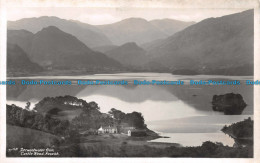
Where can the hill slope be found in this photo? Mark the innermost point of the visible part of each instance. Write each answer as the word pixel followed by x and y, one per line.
pixel 88 34
pixel 54 48
pixel 20 137
pixel 131 30
pixel 18 61
pixel 128 54
pixel 22 38
pixel 215 45
pixel 170 26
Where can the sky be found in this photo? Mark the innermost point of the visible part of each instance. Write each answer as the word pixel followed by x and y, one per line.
pixel 101 15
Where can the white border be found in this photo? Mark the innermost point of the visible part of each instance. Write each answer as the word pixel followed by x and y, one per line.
pixel 127 3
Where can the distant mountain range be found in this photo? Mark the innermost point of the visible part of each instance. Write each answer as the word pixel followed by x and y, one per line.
pixel 140 31
pixel 129 30
pixel 88 34
pixel 105 48
pixel 170 26
pixel 54 48
pixel 212 46
pixel 222 46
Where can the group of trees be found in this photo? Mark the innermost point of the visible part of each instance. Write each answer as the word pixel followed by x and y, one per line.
pixel 31 119
pixel 91 117
pixel 46 120
pixel 62 100
pixel 243 129
pixel 134 119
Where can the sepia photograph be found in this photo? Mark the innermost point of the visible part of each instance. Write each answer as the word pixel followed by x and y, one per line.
pixel 130 82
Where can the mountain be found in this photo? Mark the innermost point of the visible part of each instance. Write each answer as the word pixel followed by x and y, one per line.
pixel 149 45
pixel 105 48
pixel 140 30
pixel 54 48
pixel 22 38
pixel 170 26
pixel 131 30
pixel 129 54
pixel 18 61
pixel 214 45
pixel 88 34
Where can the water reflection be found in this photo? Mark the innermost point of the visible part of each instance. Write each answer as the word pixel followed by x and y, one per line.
pixel 195 139
pixel 229 110
pixel 155 102
pixel 195 97
pixel 169 109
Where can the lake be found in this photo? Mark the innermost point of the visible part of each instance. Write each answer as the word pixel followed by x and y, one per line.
pixel 183 113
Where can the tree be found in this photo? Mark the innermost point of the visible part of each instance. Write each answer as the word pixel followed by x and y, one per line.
pixel 135 119
pixel 208 148
pixel 117 114
pixel 94 106
pixel 28 104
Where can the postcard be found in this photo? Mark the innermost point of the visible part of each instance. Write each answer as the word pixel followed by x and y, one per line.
pixel 127 80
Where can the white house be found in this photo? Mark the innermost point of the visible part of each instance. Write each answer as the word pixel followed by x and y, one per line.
pixel 108 129
pixel 129 133
pixel 101 130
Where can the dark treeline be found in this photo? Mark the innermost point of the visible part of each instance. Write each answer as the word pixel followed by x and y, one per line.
pixel 62 101
pixel 134 119
pixel 92 118
pixel 48 120
pixel 240 130
pixel 30 119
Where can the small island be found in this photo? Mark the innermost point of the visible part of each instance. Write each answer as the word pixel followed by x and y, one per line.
pixel 229 103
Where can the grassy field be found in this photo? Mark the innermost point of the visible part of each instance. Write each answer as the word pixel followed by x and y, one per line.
pixel 118 145
pixel 18 137
pixel 115 145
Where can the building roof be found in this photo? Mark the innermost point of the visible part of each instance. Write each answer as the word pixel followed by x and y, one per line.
pixel 110 127
pixel 107 127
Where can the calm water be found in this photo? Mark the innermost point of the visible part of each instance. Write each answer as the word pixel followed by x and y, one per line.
pixel 195 139
pixel 180 112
